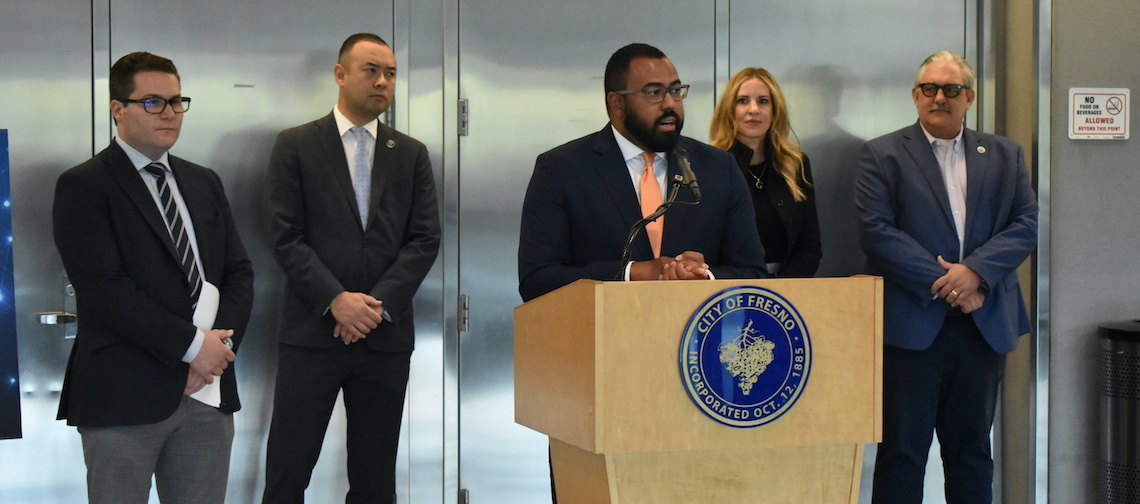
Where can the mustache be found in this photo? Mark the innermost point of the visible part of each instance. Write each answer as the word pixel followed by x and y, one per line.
pixel 939 108
pixel 667 114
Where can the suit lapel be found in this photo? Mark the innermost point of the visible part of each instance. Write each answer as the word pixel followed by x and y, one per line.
pixel 125 174
pixel 381 159
pixel 977 170
pixel 610 169
pixel 923 156
pixel 198 209
pixel 332 148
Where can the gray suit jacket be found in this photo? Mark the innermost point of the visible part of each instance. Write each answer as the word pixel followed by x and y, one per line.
pixel 905 223
pixel 320 244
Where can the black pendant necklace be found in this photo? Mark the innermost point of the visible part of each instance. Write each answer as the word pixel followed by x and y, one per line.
pixel 759 179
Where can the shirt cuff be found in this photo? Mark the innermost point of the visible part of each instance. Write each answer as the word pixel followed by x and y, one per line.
pixel 195 347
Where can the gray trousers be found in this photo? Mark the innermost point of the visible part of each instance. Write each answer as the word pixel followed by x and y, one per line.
pixel 188 454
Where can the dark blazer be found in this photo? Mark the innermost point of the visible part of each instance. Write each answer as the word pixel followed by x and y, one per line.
pixel 319 242
pixel 799 218
pixel 905 223
pixel 133 302
pixel 581 204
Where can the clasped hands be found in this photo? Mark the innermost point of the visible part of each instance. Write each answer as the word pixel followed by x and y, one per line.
pixel 959 286
pixel 687 266
pixel 212 360
pixel 356 314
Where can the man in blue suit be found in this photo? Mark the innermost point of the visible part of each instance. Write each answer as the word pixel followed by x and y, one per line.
pixel 585 196
pixel 946 215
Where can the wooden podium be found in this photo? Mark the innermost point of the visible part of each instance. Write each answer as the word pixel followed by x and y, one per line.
pixel 597 370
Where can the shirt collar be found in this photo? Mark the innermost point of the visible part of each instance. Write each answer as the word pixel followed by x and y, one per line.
pixel 140 160
pixel 930 138
pixel 628 149
pixel 343 124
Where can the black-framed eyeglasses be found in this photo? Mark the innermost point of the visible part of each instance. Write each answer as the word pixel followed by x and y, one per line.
pixel 656 94
pixel 178 104
pixel 950 90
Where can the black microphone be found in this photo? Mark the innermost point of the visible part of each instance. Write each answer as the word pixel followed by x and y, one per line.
pixel 687 176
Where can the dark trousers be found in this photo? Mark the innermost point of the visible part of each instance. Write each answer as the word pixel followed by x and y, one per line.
pixel 308 381
pixel 950 388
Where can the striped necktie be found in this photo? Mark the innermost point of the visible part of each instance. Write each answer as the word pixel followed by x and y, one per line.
pixel 177 230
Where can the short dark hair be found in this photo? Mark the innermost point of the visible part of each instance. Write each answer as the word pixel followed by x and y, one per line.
pixel 122 79
pixel 355 39
pixel 617 70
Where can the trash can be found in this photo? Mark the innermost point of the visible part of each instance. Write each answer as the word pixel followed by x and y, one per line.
pixel 1120 413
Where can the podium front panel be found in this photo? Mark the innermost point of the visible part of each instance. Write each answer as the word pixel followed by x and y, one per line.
pixel 597 366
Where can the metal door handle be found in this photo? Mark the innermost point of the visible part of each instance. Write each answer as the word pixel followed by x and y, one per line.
pixel 56 317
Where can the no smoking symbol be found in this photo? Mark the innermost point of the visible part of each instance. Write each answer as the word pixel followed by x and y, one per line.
pixel 1114 105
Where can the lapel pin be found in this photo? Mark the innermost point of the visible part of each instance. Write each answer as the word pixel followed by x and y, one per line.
pixel 981 150
pixel 392 144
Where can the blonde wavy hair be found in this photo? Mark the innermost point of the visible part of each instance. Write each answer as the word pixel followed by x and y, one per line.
pixel 788 159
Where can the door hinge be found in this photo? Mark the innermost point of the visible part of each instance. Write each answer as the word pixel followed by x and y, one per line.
pixel 464 497
pixel 463 317
pixel 463 116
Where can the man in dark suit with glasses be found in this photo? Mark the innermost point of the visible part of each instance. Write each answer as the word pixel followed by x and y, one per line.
pixel 164 290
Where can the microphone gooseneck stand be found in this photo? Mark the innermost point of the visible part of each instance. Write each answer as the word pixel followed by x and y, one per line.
pixel 639 225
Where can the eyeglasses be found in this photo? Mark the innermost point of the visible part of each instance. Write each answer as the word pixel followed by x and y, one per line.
pixel 950 90
pixel 178 104
pixel 656 94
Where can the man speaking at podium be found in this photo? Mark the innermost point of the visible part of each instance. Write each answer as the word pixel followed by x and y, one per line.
pixel 586 195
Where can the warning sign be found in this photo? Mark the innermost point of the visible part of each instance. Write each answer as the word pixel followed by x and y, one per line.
pixel 1098 113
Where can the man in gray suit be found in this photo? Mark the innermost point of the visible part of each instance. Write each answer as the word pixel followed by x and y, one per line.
pixel 947 215
pixel 355 226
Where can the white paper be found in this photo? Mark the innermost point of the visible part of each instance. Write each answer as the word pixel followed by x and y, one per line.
pixel 204 316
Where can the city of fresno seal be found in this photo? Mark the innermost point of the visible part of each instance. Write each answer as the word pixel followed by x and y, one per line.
pixel 745 356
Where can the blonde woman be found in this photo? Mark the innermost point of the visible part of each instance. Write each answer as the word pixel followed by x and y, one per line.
pixel 751 122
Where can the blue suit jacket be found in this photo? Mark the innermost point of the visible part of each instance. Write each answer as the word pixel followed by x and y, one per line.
pixel 905 223
pixel 581 204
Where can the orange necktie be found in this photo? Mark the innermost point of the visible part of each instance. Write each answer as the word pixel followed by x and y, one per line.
pixel 650 200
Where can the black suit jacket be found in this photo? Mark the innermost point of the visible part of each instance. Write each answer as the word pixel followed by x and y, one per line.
pixel 133 302
pixel 319 242
pixel 799 218
pixel 581 204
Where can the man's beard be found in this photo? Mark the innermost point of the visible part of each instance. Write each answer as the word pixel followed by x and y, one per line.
pixel 649 136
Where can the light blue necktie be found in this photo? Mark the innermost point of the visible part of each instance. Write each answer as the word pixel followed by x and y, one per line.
pixel 362 173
